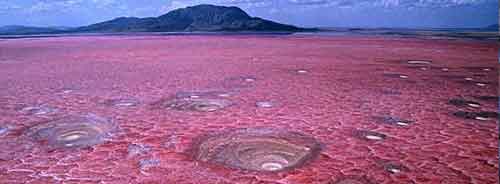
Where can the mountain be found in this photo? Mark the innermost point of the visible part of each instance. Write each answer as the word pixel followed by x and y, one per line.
pixel 195 18
pixel 16 29
pixel 493 27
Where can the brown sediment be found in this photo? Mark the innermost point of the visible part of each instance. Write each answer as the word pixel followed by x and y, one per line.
pixel 257 149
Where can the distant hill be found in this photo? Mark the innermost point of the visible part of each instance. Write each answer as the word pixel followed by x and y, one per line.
pixel 16 29
pixel 202 18
pixel 195 18
pixel 492 27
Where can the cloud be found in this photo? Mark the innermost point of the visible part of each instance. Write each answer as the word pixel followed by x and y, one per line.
pixel 387 3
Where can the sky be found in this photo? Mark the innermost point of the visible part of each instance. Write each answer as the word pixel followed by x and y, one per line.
pixel 306 13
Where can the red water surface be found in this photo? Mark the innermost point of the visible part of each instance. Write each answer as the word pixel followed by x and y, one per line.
pixel 347 82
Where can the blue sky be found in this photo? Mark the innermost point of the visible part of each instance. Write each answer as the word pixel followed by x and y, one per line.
pixel 310 13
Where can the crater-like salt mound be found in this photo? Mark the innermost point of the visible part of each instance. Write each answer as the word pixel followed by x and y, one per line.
pixel 38 110
pixel 369 135
pixel 419 62
pixel 391 120
pixel 257 149
pixel 122 102
pixel 396 75
pixel 73 131
pixel 198 105
pixel 464 103
pixel 201 94
pixel 240 82
pixel 482 116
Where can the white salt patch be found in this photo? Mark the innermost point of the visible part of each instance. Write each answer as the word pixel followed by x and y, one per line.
pixel 373 137
pixel 402 124
pixel 473 105
pixel 302 71
pixel 482 118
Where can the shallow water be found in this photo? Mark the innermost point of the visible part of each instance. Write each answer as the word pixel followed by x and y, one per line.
pixel 289 109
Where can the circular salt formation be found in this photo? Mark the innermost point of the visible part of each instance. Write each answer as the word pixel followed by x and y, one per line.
pixel 395 168
pixel 122 102
pixel 201 94
pixel 264 104
pixel 265 150
pixel 38 110
pixel 73 131
pixel 482 116
pixel 464 103
pixel 241 82
pixel 302 71
pixel 480 84
pixel 393 121
pixel 4 130
pixel 395 75
pixel 370 135
pixel 419 62
pixel 197 104
pixel 488 98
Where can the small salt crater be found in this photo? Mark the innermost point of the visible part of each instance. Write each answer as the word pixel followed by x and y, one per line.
pixel 394 170
pixel 373 137
pixel 445 69
pixel 4 130
pixel 145 164
pixel 468 79
pixel 474 105
pixel 402 123
pixel 302 71
pixel 482 118
pixel 224 95
pixel 249 80
pixel 419 62
pixel 137 149
pixel 271 166
pixel 481 84
pixel 403 76
pixel 38 110
pixel 264 104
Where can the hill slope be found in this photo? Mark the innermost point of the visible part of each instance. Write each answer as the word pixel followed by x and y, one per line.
pixel 195 18
pixel 15 29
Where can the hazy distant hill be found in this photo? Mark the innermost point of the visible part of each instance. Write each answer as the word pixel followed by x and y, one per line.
pixel 195 18
pixel 16 29
pixel 492 27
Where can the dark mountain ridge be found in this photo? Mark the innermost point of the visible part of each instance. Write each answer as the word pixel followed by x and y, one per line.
pixel 195 18
pixel 200 18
